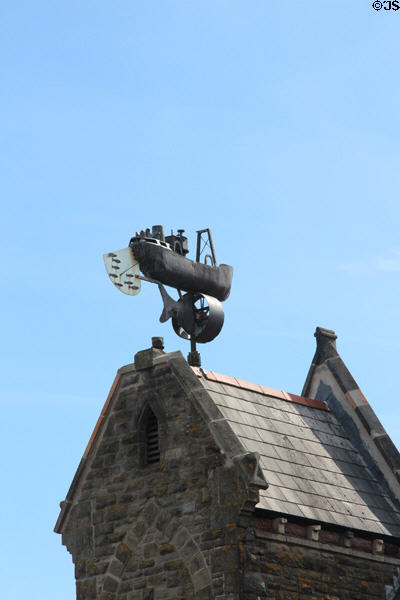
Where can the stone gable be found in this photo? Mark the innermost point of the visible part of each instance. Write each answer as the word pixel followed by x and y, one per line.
pixel 198 519
pixel 139 530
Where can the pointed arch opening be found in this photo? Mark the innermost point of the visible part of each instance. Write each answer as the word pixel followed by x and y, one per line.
pixel 151 438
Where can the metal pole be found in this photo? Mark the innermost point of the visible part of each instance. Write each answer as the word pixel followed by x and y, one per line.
pixel 194 359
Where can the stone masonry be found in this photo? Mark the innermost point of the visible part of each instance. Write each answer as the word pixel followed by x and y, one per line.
pixel 187 526
pixel 284 566
pixel 168 530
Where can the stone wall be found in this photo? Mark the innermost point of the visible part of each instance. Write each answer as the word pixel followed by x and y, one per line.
pixel 185 527
pixel 283 567
pixel 167 530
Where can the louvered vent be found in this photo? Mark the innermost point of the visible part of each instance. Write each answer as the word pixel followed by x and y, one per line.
pixel 152 442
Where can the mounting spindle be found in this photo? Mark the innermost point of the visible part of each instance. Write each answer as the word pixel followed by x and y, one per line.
pixel 194 358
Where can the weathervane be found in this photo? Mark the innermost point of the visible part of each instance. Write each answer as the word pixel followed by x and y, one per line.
pixel 197 315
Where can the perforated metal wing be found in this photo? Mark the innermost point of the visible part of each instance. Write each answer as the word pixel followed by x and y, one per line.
pixel 122 268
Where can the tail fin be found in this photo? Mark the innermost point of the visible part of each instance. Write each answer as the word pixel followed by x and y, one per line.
pixel 171 306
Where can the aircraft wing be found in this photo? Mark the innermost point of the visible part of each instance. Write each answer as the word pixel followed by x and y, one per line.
pixel 122 267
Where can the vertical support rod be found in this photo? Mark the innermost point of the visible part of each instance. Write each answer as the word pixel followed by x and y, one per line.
pixel 198 246
pixel 209 242
pixel 194 359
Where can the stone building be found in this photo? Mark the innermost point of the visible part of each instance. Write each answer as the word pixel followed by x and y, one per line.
pixel 200 485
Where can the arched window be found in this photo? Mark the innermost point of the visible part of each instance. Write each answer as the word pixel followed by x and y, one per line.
pixel 152 442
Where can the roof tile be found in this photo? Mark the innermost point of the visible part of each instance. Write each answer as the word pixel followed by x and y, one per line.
pixel 258 389
pixel 311 466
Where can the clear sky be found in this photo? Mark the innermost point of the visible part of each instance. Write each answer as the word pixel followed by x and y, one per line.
pixel 276 124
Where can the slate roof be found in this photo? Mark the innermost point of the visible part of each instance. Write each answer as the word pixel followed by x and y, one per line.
pixel 313 469
pixel 327 459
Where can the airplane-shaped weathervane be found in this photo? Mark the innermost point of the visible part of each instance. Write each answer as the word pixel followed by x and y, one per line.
pixel 197 315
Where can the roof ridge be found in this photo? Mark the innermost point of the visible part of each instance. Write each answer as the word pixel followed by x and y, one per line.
pixel 375 440
pixel 259 389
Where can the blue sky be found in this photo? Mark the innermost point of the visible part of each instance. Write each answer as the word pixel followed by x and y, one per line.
pixel 275 124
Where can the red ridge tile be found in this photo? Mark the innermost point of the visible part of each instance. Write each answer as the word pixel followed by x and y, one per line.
pixel 309 402
pixel 267 391
pixel 225 379
pixel 210 375
pixel 260 389
pixel 248 385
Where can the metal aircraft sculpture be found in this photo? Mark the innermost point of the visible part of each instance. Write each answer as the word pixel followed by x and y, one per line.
pixel 197 315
